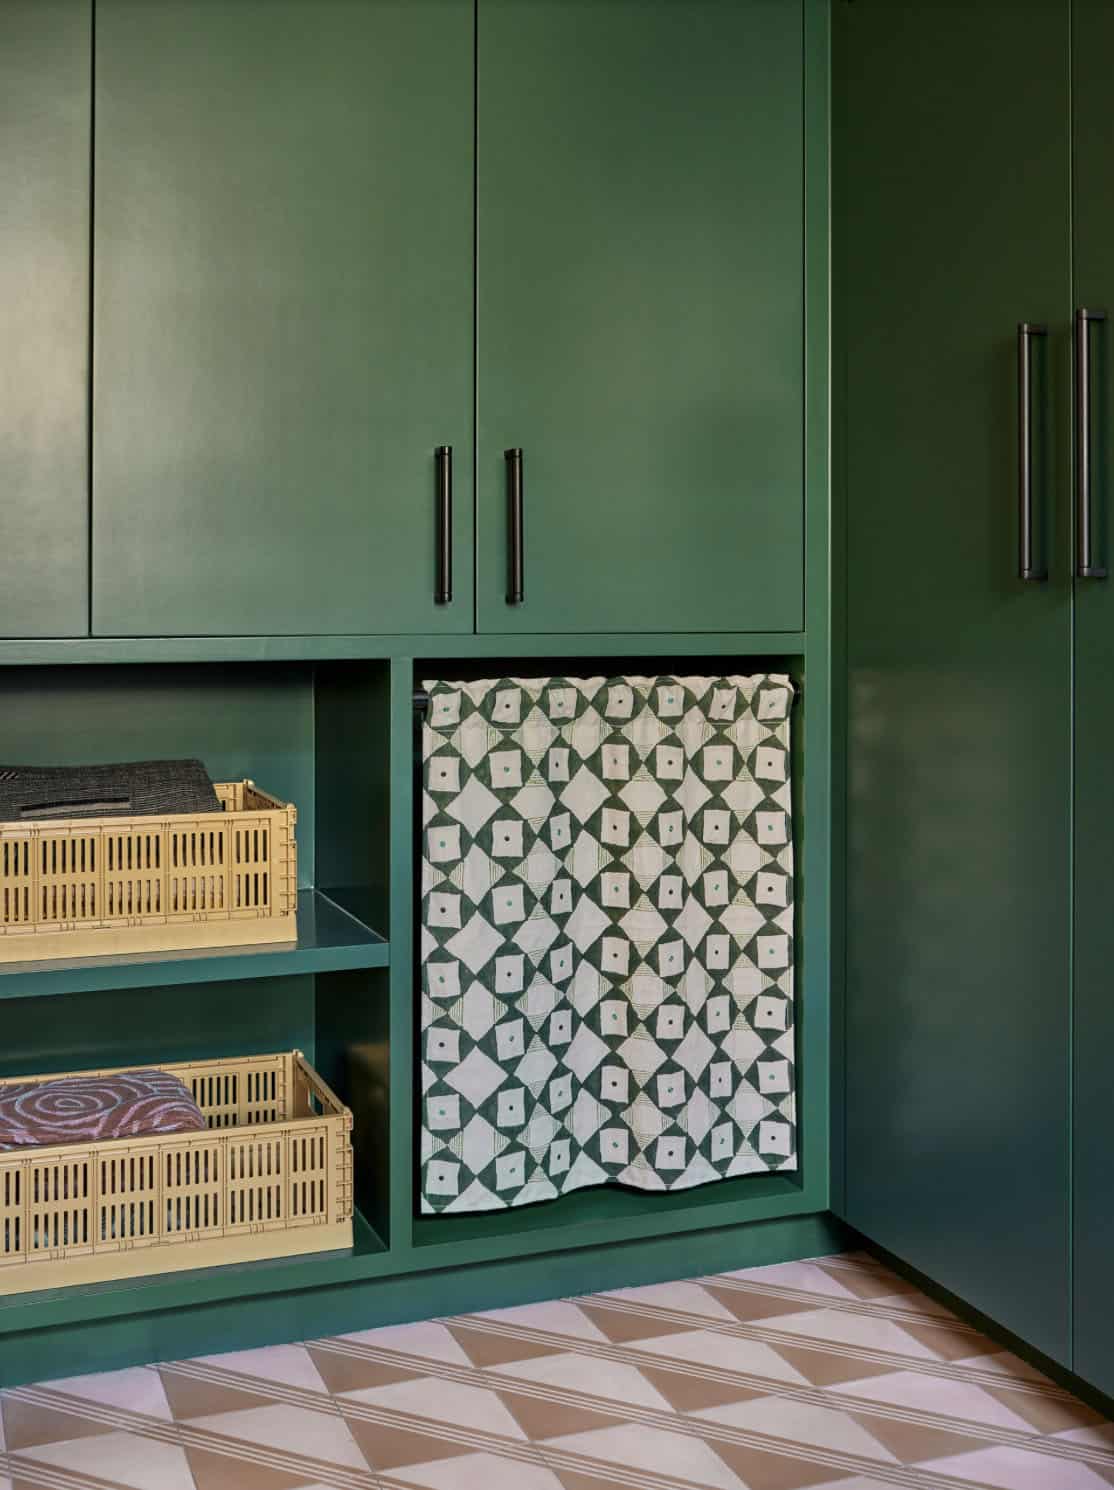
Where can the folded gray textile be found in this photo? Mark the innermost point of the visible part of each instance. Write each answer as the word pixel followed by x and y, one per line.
pixel 132 789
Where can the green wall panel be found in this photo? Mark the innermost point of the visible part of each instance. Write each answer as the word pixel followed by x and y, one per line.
pixel 283 319
pixel 143 1026
pixel 45 143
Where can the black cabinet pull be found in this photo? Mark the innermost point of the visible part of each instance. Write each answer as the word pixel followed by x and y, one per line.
pixel 443 590
pixel 1026 565
pixel 514 526
pixel 1085 566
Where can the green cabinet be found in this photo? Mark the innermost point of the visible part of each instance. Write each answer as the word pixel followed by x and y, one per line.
pixel 282 314
pixel 952 225
pixel 640 324
pixel 1092 47
pixel 327 232
pixel 45 138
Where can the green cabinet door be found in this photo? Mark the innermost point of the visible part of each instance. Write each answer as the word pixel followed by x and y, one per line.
pixel 1093 47
pixel 283 314
pixel 639 229
pixel 45 138
pixel 952 193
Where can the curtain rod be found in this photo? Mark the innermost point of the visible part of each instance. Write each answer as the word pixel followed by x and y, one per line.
pixel 421 697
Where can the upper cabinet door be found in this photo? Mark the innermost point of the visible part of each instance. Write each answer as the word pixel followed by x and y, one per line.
pixel 283 314
pixel 45 138
pixel 640 313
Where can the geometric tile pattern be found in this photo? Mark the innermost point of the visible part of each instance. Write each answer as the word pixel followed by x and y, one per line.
pixel 832 1375
pixel 607 936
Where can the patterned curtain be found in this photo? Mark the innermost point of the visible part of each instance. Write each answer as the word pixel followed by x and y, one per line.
pixel 607 936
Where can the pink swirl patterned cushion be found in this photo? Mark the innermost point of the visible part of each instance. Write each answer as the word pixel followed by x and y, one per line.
pixel 86 1109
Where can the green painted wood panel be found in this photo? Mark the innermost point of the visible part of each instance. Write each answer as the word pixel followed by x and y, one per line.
pixel 640 323
pixel 1092 48
pixel 953 222
pixel 283 314
pixel 45 143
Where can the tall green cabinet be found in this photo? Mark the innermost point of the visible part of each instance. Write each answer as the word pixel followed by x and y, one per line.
pixel 973 257
pixel 958 672
pixel 46 133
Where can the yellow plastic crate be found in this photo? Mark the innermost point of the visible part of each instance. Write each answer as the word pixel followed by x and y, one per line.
pixel 79 887
pixel 271 1178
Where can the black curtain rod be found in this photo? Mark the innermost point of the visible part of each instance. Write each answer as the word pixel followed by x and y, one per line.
pixel 421 698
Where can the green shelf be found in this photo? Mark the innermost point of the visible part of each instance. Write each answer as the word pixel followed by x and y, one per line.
pixel 330 939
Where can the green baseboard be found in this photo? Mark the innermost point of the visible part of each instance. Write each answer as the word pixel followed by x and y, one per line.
pixel 110 1344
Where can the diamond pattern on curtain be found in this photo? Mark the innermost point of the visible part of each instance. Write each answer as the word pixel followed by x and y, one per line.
pixel 607 936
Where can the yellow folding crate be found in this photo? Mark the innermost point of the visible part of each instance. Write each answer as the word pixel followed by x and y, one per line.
pixel 272 1177
pixel 80 887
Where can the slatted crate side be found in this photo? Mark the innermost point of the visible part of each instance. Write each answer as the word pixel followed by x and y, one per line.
pixel 128 1209
pixel 199 873
pixel 309 1175
pixel 17 905
pixel 239 1093
pixel 13 1213
pixel 194 1199
pixel 312 1097
pixel 66 869
pixel 133 873
pixel 61 1203
pixel 258 1180
pixel 264 878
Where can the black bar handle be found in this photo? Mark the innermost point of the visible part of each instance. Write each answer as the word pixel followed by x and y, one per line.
pixel 1026 563
pixel 443 588
pixel 514 526
pixel 1085 566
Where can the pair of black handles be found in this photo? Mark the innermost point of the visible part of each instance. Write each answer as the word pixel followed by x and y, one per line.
pixel 1085 566
pixel 443 587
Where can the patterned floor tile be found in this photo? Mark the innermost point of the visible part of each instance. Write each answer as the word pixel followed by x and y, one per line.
pixel 824 1375
pixel 668 1455
pixel 478 1472
pixel 1013 1469
pixel 132 1460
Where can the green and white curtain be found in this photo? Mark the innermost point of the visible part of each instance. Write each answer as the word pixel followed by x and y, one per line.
pixel 607 936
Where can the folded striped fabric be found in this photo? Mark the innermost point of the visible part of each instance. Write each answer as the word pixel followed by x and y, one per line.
pixel 88 1109
pixel 134 789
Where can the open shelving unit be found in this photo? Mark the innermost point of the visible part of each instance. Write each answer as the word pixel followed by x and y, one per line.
pixel 337 736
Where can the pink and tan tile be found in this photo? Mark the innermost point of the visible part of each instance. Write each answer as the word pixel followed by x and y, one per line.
pixel 826 1375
